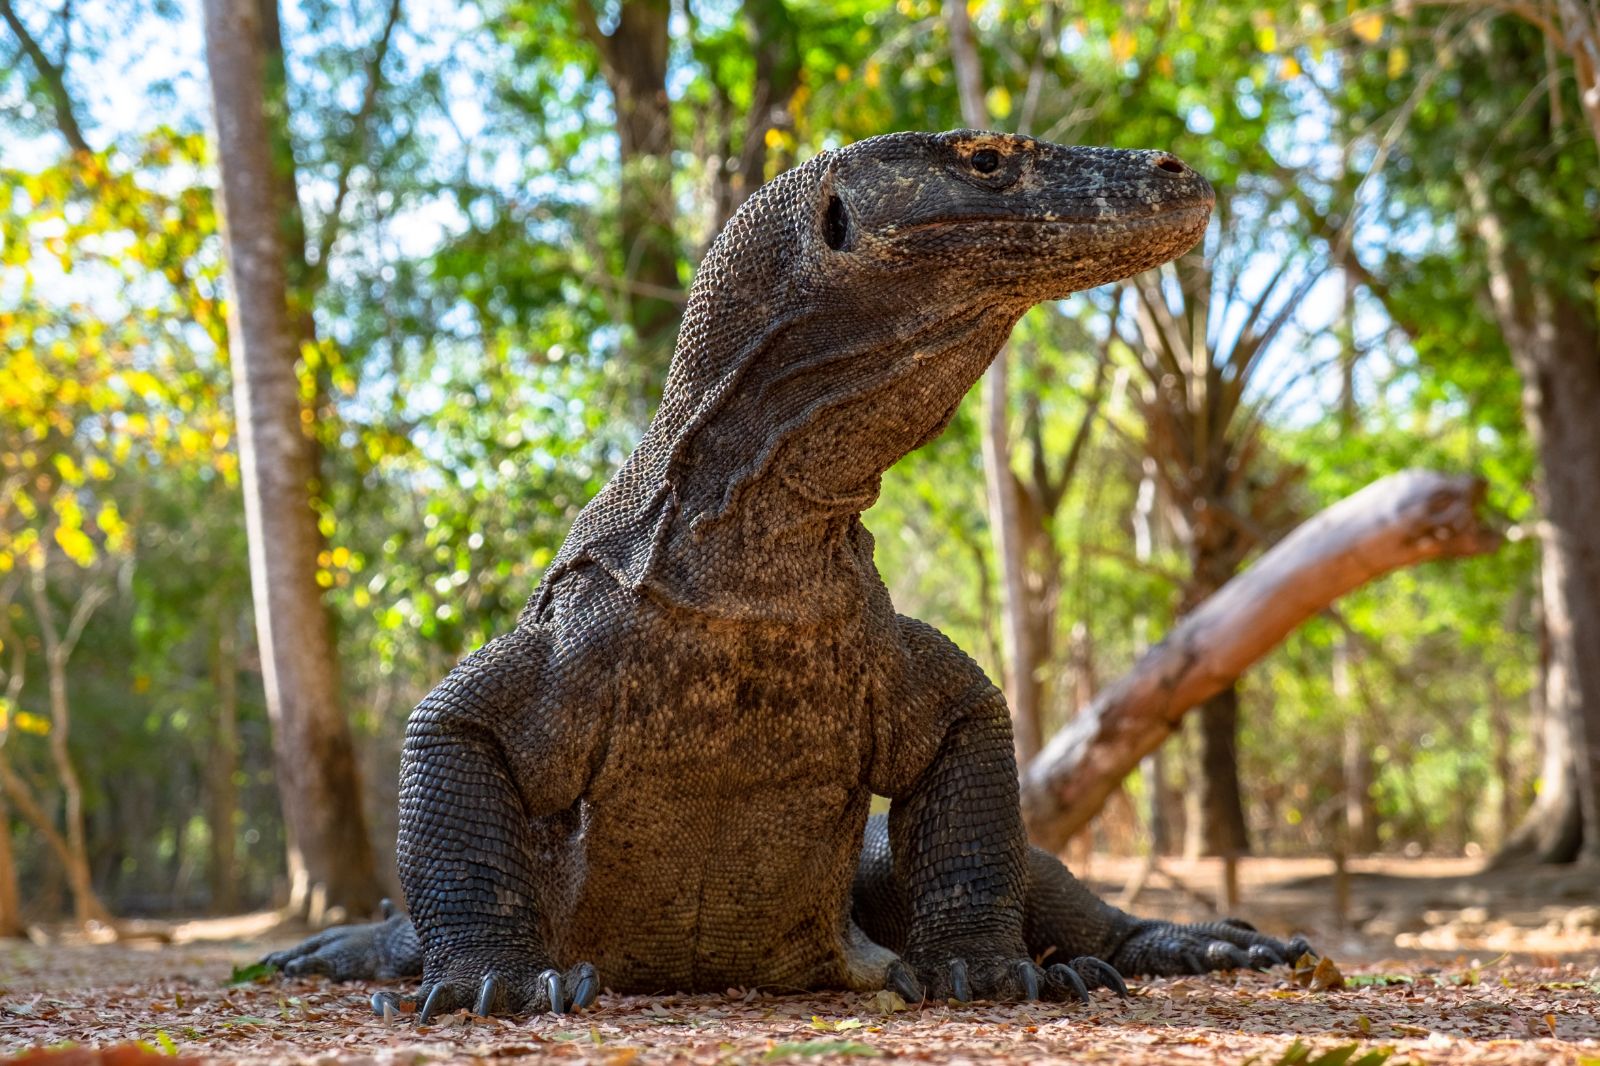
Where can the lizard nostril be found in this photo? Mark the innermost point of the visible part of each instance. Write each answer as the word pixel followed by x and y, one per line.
pixel 1171 165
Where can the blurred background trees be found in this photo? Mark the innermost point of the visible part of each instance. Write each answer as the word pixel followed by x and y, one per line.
pixel 488 212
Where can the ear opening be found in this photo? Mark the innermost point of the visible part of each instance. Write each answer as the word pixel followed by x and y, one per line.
pixel 836 224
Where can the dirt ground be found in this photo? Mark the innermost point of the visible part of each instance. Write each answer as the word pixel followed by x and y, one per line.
pixel 1440 966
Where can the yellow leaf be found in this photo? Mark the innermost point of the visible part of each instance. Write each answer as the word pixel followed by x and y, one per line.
pixel 1290 69
pixel 69 470
pixel 109 519
pixel 1267 38
pixel 1122 46
pixel 1399 60
pixel 999 101
pixel 32 723
pixel 874 74
pixel 77 545
pixel 1368 25
pixel 340 556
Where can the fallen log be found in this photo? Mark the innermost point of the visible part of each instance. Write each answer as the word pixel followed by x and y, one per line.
pixel 1404 519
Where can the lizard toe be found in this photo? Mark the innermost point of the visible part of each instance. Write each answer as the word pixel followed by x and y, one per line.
pixel 1028 975
pixel 1263 957
pixel 1097 973
pixel 1067 980
pixel 585 985
pixel 385 1005
pixel 902 982
pixel 1221 955
pixel 444 997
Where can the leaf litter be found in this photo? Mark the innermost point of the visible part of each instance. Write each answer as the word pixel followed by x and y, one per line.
pixel 127 1006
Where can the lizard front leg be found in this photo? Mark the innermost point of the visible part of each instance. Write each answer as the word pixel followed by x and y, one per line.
pixel 487 753
pixel 958 847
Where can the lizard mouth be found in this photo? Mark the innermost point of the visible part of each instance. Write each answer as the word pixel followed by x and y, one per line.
pixel 1168 215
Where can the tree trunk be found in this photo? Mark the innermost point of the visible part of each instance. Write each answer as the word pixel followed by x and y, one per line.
pixel 58 648
pixel 633 58
pixel 1403 519
pixel 223 799
pixel 1561 393
pixel 1020 679
pixel 775 46
pixel 1554 338
pixel 1505 778
pixel 1360 813
pixel 317 781
pixel 1215 820
pixel 10 897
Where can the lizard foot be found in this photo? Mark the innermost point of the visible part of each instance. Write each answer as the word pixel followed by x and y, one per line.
pixel 375 951
pixel 1002 980
pixel 501 990
pixel 1166 949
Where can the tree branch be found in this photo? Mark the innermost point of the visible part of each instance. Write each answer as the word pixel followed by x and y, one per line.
pixel 54 80
pixel 1398 521
pixel 360 121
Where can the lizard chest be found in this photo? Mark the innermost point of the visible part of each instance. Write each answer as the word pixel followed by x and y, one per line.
pixel 726 709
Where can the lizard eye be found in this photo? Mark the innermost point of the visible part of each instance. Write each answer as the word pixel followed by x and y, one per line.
pixel 836 225
pixel 985 160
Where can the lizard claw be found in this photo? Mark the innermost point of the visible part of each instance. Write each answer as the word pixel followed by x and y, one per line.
pixel 585 986
pixel 1103 974
pixel 1028 974
pixel 552 987
pixel 385 1005
pixel 899 980
pixel 960 986
pixel 486 996
pixel 1068 976
pixel 430 1004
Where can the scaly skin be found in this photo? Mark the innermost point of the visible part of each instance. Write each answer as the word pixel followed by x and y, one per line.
pixel 660 779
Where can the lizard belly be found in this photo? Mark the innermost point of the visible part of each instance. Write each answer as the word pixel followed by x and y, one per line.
pixel 721 833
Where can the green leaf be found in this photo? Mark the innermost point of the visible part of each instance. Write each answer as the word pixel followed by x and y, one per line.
pixel 255 972
pixel 814 1048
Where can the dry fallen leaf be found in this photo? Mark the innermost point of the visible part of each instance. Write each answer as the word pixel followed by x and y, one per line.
pixel 1326 975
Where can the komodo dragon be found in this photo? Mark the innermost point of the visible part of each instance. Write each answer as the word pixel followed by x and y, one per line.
pixel 660 779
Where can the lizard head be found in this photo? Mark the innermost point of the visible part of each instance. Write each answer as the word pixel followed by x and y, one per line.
pixel 969 218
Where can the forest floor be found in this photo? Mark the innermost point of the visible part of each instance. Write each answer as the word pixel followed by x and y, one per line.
pixel 1440 966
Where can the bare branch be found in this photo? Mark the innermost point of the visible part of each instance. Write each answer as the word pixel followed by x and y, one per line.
pixel 1399 521
pixel 361 122
pixel 54 78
